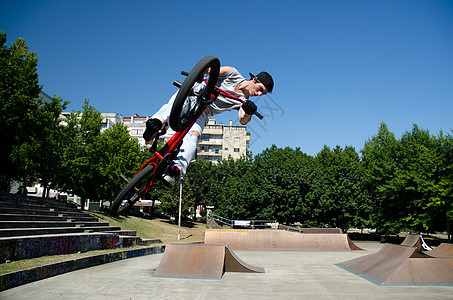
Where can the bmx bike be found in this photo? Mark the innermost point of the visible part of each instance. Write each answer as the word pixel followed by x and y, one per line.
pixel 195 94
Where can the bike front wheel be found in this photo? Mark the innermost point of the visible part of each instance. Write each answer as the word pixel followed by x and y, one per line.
pixel 194 94
pixel 132 192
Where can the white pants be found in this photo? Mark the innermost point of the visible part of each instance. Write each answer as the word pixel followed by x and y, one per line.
pixel 189 145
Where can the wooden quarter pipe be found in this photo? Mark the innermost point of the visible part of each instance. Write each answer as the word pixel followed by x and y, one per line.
pixel 402 265
pixel 279 240
pixel 201 262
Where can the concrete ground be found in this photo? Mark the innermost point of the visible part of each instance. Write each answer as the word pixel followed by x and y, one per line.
pixel 288 275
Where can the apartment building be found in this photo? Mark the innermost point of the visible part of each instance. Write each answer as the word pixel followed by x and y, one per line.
pixel 219 141
pixel 108 119
pixel 137 124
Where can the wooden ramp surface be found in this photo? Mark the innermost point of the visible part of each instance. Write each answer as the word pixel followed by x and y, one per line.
pixel 416 240
pixel 279 240
pixel 399 264
pixel 444 250
pixel 201 262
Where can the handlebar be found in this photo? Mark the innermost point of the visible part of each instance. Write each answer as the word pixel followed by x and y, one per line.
pixel 260 116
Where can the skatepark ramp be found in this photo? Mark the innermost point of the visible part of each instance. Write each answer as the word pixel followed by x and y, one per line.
pixel 443 251
pixel 201 262
pixel 416 240
pixel 279 240
pixel 404 265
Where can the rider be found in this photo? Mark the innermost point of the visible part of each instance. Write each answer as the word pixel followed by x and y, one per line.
pixel 231 81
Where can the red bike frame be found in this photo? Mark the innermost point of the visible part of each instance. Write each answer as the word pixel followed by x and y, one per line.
pixel 176 140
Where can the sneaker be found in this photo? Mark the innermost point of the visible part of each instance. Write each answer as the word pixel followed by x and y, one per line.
pixel 153 127
pixel 172 176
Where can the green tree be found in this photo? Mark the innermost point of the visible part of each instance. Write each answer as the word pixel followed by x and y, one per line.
pixel 79 173
pixel 425 177
pixel 414 182
pixel 283 178
pixel 380 162
pixel 43 150
pixel 116 153
pixel 342 203
pixel 200 183
pixel 409 180
pixel 19 90
pixel 442 206
pixel 169 198
pixel 229 188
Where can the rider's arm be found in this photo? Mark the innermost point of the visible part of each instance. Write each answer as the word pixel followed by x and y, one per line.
pixel 244 118
pixel 224 70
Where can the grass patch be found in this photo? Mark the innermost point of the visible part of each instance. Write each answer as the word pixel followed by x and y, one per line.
pixel 48 260
pixel 165 230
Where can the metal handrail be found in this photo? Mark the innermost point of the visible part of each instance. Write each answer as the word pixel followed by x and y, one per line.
pixel 252 223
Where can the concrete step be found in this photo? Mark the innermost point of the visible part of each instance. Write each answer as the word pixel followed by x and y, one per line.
pixel 40 207
pixel 13 205
pixel 129 241
pixel 33 201
pixel 17 248
pixel 59 217
pixel 148 242
pixel 15 232
pixel 42 224
pixel 33 227
pixel 124 232
pixel 40 211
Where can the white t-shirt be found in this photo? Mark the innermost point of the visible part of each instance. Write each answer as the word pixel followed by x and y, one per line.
pixel 228 83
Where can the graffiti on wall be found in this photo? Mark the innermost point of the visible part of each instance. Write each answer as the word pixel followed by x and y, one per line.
pixel 25 248
pixel 11 280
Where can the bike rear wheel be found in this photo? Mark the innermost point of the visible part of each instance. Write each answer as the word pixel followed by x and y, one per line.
pixel 187 105
pixel 132 192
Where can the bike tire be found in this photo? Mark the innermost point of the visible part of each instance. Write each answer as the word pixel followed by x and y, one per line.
pixel 186 107
pixel 129 195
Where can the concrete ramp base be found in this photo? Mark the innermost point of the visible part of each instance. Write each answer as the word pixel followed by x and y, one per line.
pixel 402 265
pixel 279 240
pixel 200 261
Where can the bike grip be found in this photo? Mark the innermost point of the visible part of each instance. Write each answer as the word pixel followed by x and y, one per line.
pixel 184 73
pixel 259 115
pixel 177 83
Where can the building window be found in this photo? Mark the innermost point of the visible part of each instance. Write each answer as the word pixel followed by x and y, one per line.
pixel 137 131
pixel 236 149
pixel 237 139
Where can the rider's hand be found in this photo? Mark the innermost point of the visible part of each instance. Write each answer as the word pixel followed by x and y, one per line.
pixel 249 107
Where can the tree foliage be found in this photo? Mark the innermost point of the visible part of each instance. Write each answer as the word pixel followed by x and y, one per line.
pixel 19 91
pixel 93 160
pixel 117 153
pixel 408 180
pixel 342 202
pixel 42 151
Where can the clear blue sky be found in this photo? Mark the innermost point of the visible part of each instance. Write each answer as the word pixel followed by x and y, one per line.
pixel 340 67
